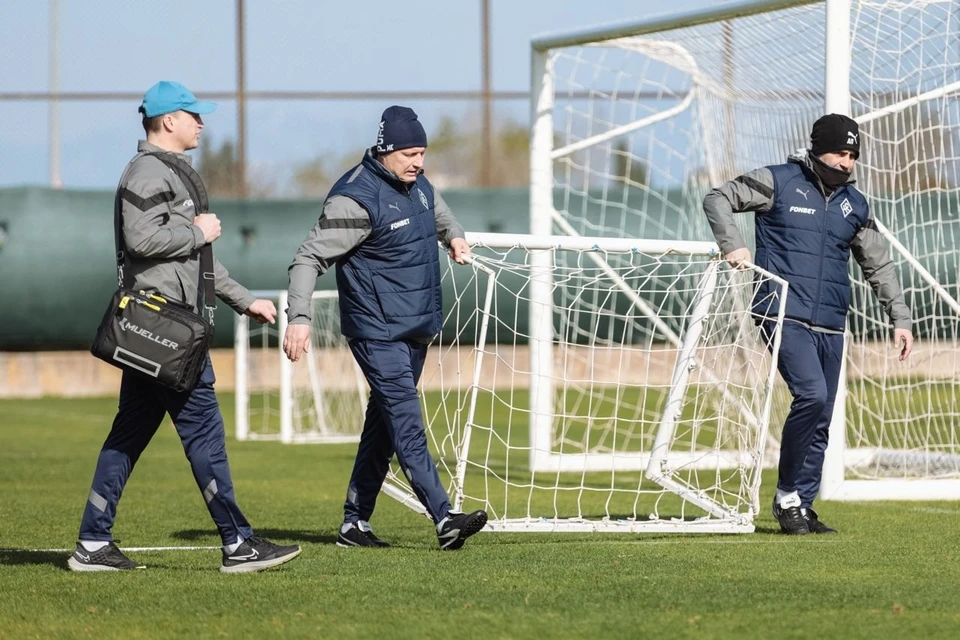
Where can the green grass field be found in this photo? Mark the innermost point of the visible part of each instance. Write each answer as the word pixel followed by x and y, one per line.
pixel 893 570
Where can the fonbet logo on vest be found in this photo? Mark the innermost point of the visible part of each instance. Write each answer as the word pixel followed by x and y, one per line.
pixel 399 223
pixel 807 210
pixel 126 325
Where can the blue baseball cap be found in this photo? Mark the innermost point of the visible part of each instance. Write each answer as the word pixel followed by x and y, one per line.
pixel 167 97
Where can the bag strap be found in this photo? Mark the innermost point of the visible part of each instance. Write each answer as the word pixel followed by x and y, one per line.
pixel 118 236
pixel 206 284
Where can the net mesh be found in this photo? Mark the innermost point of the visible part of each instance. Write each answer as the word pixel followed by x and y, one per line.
pixel 904 418
pixel 646 125
pixel 326 389
pixel 619 321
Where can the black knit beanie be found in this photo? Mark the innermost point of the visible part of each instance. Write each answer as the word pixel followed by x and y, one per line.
pixel 835 132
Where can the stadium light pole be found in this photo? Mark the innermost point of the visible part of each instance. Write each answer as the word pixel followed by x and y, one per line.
pixel 730 139
pixel 56 180
pixel 486 134
pixel 241 106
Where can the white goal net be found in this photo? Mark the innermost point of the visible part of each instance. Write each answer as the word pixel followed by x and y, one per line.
pixel 321 398
pixel 650 408
pixel 634 123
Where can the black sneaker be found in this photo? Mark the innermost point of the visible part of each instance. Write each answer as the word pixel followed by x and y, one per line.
pixel 454 530
pixel 814 524
pixel 108 558
pixel 255 554
pixel 359 535
pixel 791 519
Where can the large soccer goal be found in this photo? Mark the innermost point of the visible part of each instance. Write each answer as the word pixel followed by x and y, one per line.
pixel 634 122
pixel 320 399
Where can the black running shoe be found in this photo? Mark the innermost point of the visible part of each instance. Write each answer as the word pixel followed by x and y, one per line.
pixel 814 524
pixel 255 554
pixel 454 530
pixel 108 558
pixel 791 519
pixel 359 535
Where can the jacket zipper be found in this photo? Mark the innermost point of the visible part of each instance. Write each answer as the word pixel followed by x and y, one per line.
pixel 823 248
pixel 420 219
pixel 823 237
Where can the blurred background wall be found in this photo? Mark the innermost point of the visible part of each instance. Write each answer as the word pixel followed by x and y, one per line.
pixel 300 87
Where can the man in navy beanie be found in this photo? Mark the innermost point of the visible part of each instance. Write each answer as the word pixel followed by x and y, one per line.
pixel 380 225
pixel 809 218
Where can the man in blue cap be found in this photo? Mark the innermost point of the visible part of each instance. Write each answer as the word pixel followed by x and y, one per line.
pixel 162 233
pixel 380 225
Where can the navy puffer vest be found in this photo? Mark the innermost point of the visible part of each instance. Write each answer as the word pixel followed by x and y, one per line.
pixel 805 239
pixel 390 285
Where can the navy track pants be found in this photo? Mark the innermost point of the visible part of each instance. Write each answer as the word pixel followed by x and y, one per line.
pixel 810 365
pixel 196 416
pixel 393 424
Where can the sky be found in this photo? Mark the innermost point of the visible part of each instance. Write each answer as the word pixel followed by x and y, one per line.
pixel 119 45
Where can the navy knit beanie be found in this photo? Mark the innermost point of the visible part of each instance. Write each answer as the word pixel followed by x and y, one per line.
pixel 833 133
pixel 400 129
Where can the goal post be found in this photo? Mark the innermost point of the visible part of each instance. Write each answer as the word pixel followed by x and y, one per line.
pixel 902 467
pixel 633 123
pixel 320 399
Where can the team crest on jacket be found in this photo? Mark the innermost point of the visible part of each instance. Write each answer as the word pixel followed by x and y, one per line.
pixel 846 207
pixel 423 199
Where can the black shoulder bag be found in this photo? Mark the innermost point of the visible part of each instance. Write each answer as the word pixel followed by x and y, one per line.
pixel 146 333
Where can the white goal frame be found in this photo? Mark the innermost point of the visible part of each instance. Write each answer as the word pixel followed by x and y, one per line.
pixel 544 218
pixel 285 384
pixel 660 463
pixel 835 485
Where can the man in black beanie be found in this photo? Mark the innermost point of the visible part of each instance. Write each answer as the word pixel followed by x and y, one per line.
pixel 809 218
pixel 380 226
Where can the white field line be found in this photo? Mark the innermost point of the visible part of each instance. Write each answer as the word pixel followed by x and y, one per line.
pixel 124 549
pixel 937 511
pixel 734 538
pixel 681 538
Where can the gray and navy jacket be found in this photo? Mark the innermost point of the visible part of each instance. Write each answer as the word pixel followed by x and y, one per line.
pixel 162 243
pixel 382 235
pixel 806 237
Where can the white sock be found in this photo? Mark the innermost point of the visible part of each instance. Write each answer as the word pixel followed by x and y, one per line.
pixel 230 548
pixel 440 524
pixel 93 545
pixel 788 499
pixel 364 526
pixel 346 526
